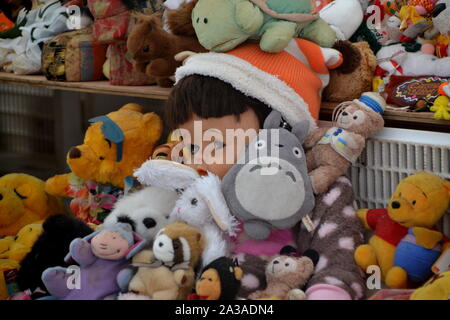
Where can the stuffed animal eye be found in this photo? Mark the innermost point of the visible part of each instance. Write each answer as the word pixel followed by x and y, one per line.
pixel 146 49
pixel 19 195
pixel 198 20
pixel 355 117
pixel 101 158
pixel 194 201
pixel 260 144
pixel 297 152
pixel 205 20
pixel 286 264
pixel 414 202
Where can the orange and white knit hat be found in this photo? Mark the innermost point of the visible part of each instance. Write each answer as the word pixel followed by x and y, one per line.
pixel 290 81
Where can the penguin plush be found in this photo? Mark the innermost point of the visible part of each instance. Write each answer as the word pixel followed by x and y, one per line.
pixel 220 280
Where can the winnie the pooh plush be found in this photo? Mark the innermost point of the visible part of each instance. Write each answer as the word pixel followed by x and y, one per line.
pixel 23 200
pixel 114 145
pixel 403 233
pixel 16 248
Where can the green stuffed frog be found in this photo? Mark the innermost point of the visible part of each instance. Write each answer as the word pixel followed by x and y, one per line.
pixel 221 25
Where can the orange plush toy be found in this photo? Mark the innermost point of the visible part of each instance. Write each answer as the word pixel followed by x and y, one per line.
pixel 114 145
pixel 417 204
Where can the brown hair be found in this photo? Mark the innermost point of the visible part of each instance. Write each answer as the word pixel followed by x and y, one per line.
pixel 208 97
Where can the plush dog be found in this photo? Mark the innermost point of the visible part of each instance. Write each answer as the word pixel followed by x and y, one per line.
pixel 114 145
pixel 23 200
pixel 166 272
pixel 333 150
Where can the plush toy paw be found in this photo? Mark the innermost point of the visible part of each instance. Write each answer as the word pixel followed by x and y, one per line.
pixel 277 36
pixel 296 294
pixel 56 280
pixel 365 256
pixel 396 278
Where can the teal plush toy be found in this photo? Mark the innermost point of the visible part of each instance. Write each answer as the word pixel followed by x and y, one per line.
pixel 221 25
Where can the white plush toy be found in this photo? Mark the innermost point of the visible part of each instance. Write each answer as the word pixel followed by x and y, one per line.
pixel 201 203
pixel 395 60
pixel 343 16
pixel 147 211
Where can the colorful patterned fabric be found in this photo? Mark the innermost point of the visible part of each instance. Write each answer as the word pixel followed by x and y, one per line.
pixel 92 201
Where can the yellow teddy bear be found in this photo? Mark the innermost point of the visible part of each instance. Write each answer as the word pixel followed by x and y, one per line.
pixel 23 200
pixel 114 145
pixel 417 204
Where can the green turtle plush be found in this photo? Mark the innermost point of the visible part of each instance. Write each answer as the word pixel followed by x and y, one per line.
pixel 221 25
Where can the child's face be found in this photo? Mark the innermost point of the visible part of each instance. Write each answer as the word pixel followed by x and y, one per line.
pixel 213 144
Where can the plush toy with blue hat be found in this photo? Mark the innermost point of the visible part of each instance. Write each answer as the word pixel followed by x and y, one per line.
pixel 331 151
pixel 114 145
pixel 100 256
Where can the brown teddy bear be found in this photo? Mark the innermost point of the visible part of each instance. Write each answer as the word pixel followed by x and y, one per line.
pixel 153 49
pixel 285 276
pixel 346 87
pixel 333 150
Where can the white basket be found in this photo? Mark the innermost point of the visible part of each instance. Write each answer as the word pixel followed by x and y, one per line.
pixel 392 155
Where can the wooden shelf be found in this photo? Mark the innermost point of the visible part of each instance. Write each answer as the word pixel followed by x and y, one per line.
pixel 98 87
pixel 400 119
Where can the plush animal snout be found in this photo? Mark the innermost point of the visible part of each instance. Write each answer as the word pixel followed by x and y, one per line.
pixel 438 9
pixel 395 205
pixel 74 153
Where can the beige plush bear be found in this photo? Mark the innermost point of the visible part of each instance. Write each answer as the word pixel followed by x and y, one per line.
pixel 333 150
pixel 285 275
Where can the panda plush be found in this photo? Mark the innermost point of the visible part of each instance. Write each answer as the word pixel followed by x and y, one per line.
pixel 147 211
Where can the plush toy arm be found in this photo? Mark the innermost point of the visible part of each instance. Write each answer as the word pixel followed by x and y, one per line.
pixel 362 214
pixel 56 186
pixel 81 252
pixel 314 137
pixel 427 238
pixel 277 36
pixel 124 278
pixel 249 17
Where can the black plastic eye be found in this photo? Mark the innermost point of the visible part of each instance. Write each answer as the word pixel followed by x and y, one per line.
pixel 355 117
pixel 205 20
pixel 414 202
pixel 146 49
pixel 102 158
pixel 198 20
pixel 194 201
pixel 287 264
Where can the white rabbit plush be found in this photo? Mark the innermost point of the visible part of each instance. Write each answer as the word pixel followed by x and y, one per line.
pixel 201 203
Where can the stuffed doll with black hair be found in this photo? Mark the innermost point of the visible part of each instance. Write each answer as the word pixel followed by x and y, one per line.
pixel 49 250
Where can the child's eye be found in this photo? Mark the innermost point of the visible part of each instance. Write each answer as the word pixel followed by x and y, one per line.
pixel 193 149
pixel 219 144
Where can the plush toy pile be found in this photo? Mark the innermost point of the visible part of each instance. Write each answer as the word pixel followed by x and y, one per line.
pixel 139 225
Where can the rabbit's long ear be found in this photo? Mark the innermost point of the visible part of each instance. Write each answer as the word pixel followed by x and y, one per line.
pixel 209 189
pixel 166 174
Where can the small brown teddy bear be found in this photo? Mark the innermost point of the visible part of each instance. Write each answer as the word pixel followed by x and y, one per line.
pixel 333 150
pixel 153 49
pixel 285 276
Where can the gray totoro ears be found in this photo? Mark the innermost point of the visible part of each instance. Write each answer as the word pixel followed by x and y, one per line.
pixel 301 130
pixel 273 120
